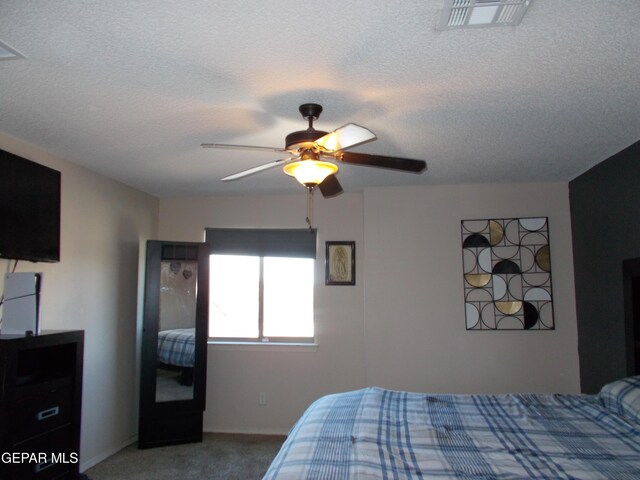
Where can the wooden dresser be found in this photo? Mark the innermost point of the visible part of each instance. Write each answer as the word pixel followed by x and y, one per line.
pixel 40 405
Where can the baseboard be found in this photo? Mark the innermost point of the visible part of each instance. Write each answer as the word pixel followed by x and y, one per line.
pixel 106 454
pixel 246 431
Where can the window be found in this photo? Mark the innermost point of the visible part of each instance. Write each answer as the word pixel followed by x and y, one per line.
pixel 261 285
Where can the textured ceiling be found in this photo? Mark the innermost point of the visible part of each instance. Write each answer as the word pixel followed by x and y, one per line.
pixel 131 89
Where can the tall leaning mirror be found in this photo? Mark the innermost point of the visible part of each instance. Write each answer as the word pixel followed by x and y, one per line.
pixel 173 359
pixel 176 344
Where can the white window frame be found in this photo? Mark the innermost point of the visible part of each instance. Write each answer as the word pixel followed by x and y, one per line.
pixel 241 242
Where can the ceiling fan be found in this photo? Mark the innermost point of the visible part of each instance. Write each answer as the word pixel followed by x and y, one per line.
pixel 308 149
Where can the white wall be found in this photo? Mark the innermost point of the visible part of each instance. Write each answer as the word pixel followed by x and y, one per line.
pixel 94 288
pixel 291 377
pixel 414 310
pixel 402 326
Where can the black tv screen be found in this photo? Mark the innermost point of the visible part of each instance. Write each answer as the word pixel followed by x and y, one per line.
pixel 29 210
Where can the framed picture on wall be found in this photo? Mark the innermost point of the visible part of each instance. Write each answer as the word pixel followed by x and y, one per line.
pixel 340 263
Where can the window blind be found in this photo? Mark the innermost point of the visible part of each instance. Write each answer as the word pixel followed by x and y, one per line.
pixel 262 242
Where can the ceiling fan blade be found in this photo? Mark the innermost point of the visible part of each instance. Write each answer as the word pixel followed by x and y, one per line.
pixel 330 187
pixel 259 168
pixel 241 147
pixel 346 136
pixel 394 163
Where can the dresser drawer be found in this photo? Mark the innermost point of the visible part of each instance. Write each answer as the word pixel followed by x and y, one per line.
pixel 52 457
pixel 37 412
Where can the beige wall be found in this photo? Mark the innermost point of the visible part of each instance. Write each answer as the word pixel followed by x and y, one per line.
pixel 402 326
pixel 414 309
pixel 94 288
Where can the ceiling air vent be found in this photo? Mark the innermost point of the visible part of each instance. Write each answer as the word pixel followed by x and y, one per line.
pixel 8 53
pixel 482 13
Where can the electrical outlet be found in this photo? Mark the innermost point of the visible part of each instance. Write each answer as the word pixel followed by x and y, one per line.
pixel 262 398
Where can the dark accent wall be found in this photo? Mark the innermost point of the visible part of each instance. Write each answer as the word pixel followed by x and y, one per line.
pixel 605 221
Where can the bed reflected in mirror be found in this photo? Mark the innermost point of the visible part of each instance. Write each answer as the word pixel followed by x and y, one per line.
pixel 176 331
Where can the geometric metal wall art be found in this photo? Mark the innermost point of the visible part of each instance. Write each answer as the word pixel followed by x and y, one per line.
pixel 507 274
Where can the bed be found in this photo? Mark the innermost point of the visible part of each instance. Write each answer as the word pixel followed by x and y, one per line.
pixel 376 433
pixel 177 350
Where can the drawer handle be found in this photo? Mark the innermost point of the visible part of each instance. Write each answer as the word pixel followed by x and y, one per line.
pixel 50 412
pixel 43 466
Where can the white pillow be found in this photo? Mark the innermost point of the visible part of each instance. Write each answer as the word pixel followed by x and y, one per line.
pixel 623 397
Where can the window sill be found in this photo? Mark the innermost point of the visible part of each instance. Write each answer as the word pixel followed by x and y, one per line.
pixel 263 346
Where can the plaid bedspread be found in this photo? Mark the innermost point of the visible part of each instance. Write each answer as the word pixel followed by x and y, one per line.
pixel 177 347
pixel 381 434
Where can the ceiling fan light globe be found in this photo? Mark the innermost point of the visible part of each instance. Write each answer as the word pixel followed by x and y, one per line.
pixel 310 172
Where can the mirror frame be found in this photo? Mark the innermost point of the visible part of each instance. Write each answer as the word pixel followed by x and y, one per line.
pixel 177 421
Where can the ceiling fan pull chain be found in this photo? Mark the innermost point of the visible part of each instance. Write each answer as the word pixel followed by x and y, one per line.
pixel 309 218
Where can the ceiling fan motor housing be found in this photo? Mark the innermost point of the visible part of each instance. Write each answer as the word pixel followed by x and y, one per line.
pixel 302 139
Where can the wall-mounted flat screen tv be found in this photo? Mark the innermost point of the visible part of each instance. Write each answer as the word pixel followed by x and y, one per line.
pixel 29 210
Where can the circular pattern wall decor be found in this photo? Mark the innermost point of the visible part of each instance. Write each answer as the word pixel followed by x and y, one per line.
pixel 507 274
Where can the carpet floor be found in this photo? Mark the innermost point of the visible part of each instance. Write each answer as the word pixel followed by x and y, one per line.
pixel 220 456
